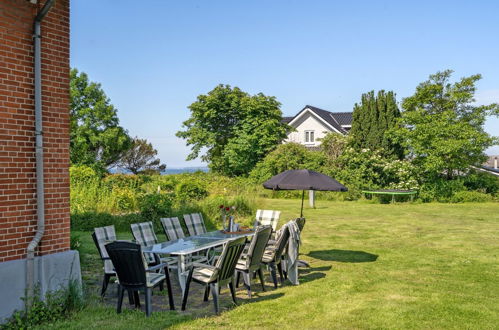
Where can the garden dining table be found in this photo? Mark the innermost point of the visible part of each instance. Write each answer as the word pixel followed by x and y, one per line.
pixel 183 247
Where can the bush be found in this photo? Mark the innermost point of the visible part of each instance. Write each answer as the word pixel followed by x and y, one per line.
pixel 191 189
pixel 125 199
pixel 56 305
pixel 483 182
pixel 167 182
pixel 81 174
pixel 125 181
pixel 87 221
pixel 470 196
pixel 288 156
pixel 154 206
pixel 223 185
pixel 89 196
pixel 440 190
pixel 245 208
pixel 74 242
pixel 368 169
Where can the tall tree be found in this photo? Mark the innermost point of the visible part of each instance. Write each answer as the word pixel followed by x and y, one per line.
pixel 96 138
pixel 236 129
pixel 372 119
pixel 443 127
pixel 141 157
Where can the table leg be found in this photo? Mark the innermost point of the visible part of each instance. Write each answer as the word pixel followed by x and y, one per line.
pixel 181 271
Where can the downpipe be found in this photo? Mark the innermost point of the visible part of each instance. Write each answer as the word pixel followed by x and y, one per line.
pixel 40 188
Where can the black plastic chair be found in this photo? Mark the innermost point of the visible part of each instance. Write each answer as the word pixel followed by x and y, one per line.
pixel 132 275
pixel 251 262
pixel 215 276
pixel 272 256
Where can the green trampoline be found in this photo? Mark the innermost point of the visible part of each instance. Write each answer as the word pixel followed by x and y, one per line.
pixel 392 192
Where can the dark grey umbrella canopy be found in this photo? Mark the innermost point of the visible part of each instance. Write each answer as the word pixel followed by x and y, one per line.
pixel 303 180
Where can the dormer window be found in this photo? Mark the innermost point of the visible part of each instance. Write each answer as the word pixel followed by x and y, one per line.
pixel 309 137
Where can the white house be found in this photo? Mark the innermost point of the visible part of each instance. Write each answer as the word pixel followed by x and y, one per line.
pixel 312 124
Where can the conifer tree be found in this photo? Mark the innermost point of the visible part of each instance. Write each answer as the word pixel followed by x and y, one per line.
pixel 372 118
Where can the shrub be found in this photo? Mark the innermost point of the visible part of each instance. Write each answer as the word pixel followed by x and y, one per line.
pixel 191 189
pixel 167 182
pixel 288 156
pixel 470 196
pixel 56 305
pixel 129 181
pixel 154 206
pixel 81 174
pixel 223 185
pixel 87 221
pixel 368 169
pixel 245 208
pixel 333 145
pixel 440 190
pixel 125 199
pixel 484 182
pixel 74 242
pixel 89 196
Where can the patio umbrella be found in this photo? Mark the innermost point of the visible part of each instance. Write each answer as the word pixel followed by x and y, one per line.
pixel 303 180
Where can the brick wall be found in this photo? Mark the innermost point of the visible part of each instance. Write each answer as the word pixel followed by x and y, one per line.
pixel 17 122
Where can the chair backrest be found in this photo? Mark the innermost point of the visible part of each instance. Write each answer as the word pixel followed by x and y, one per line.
pixel 281 243
pixel 226 264
pixel 102 236
pixel 143 233
pixel 195 223
pixel 257 246
pixel 266 218
pixel 128 263
pixel 173 229
pixel 301 223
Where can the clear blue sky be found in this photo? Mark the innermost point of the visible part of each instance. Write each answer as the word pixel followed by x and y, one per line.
pixel 153 57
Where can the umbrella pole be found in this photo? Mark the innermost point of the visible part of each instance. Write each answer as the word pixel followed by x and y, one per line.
pixel 302 197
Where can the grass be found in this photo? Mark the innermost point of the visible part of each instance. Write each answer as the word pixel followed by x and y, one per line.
pixel 372 266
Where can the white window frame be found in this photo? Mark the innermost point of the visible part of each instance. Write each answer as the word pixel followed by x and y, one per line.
pixel 309 136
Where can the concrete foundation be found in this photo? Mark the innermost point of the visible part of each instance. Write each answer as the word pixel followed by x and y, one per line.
pixel 52 272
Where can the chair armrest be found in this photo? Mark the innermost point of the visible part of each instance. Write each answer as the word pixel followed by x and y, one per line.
pixel 199 264
pixel 156 267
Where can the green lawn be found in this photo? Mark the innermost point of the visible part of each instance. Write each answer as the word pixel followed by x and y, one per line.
pixel 372 266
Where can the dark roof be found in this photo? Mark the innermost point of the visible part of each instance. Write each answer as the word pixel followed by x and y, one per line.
pixel 286 120
pixel 343 118
pixel 327 116
pixel 335 119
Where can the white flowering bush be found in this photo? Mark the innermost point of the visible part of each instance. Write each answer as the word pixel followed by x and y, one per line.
pixel 369 169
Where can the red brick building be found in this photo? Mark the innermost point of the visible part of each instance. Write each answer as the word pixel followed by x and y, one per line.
pixel 18 184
